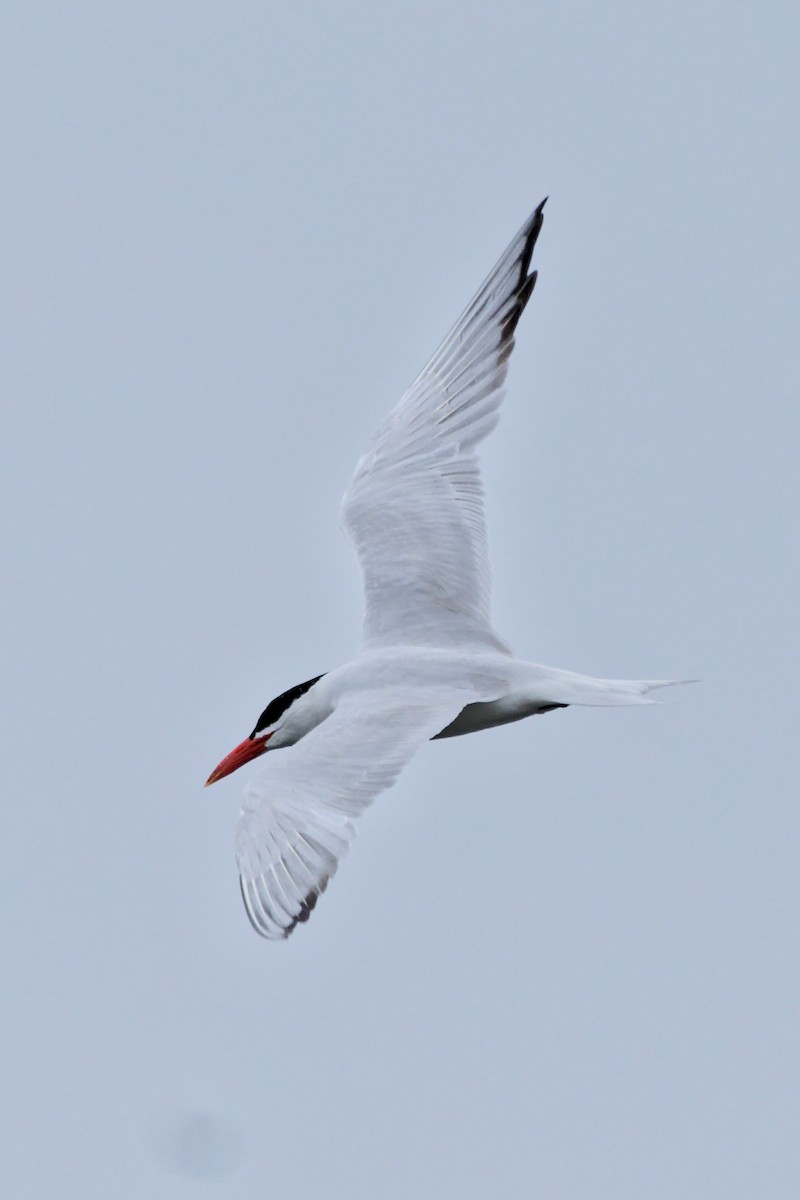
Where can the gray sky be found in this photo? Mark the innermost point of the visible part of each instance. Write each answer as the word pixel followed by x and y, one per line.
pixel 561 960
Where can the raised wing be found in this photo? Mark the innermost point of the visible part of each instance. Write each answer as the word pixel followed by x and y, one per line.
pixel 297 818
pixel 414 509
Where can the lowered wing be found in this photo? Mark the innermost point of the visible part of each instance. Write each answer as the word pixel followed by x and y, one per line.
pixel 297 817
pixel 414 509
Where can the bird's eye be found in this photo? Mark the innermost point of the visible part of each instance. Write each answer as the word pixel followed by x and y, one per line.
pixel 277 707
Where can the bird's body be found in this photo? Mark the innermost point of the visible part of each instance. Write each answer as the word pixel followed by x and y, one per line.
pixel 431 664
pixel 496 689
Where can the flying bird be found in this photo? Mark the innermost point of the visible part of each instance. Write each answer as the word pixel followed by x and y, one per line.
pixel 430 665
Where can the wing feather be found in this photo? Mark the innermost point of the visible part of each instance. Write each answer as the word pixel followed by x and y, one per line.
pixel 414 509
pixel 297 817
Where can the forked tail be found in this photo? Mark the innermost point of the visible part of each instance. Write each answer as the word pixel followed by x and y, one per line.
pixel 567 688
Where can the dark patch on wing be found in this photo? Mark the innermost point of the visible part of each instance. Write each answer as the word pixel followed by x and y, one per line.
pixel 265 921
pixel 526 282
pixel 277 707
pixel 306 908
pixel 307 905
pixel 550 707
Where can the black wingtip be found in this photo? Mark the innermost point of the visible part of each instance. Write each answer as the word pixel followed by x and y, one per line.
pixel 532 231
pixel 307 907
pixel 537 216
pixel 527 282
pixel 523 296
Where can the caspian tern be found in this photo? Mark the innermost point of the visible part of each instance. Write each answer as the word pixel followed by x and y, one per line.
pixel 431 665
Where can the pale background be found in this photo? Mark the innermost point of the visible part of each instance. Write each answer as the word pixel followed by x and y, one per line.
pixel 562 959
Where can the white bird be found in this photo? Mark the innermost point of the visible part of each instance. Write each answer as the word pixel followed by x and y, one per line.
pixel 430 665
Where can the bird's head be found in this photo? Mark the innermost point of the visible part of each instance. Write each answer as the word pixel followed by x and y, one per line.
pixel 274 723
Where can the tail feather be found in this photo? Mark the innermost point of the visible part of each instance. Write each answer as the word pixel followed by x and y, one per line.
pixel 583 689
pixel 631 691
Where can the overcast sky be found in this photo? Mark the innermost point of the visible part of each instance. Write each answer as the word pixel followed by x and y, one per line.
pixel 561 960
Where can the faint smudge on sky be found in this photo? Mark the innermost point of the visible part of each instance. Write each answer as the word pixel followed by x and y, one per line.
pixel 198 1144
